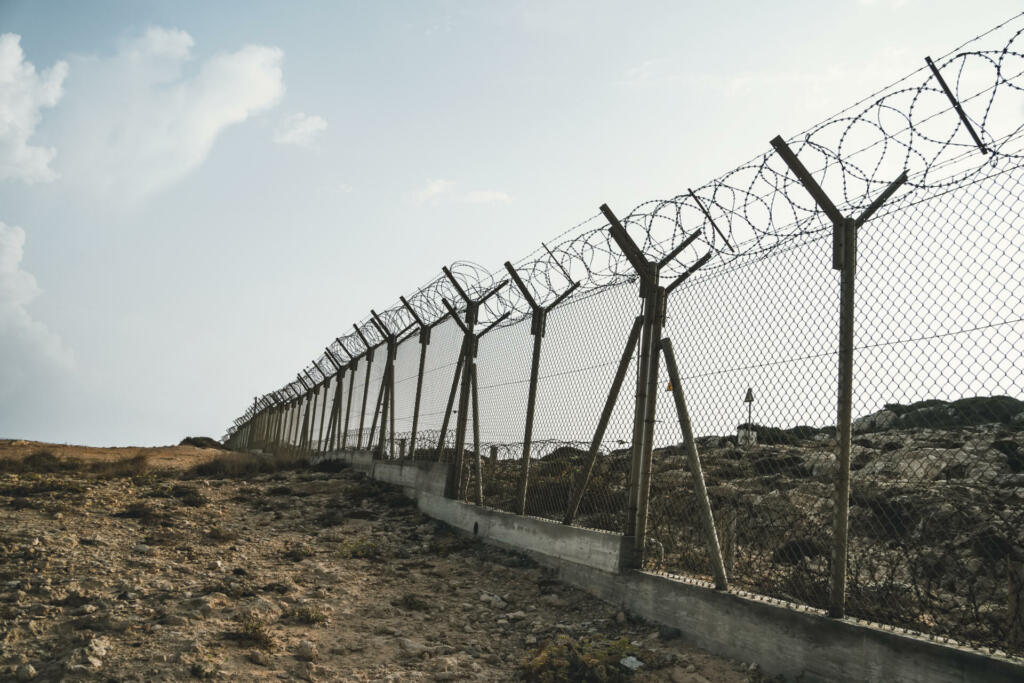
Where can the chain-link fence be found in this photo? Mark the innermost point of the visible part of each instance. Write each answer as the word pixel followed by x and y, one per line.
pixel 720 420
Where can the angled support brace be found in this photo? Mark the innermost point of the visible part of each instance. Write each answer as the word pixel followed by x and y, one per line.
pixel 700 488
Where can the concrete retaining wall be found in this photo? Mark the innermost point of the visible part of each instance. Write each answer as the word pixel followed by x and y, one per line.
pixel 414 476
pixel 600 550
pixel 797 643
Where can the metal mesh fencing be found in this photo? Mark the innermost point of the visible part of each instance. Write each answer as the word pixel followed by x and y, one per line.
pixel 705 419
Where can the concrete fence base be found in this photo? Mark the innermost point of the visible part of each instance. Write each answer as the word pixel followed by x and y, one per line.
pixel 798 643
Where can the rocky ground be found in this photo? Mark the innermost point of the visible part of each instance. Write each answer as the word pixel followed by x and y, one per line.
pixel 136 575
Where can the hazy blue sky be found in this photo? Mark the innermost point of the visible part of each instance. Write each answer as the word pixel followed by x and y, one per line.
pixel 196 197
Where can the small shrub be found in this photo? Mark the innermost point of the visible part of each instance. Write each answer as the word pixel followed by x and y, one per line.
pixel 331 466
pixel 219 534
pixel 188 495
pixel 163 538
pixel 243 465
pixel 360 548
pixel 44 462
pixel 299 552
pixel 136 466
pixel 144 512
pixel 159 491
pixel 280 491
pixel 565 659
pixel 411 601
pixel 253 631
pixel 307 614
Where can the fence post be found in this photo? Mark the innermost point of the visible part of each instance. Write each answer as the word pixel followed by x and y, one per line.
pixel 657 305
pixel 290 434
pixel 424 339
pixel 366 387
pixel 844 259
pixel 470 343
pixel 464 390
pixel 644 416
pixel 323 415
pixel 476 439
pixel 538 326
pixel 353 363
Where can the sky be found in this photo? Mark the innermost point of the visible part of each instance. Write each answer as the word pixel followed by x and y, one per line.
pixel 196 199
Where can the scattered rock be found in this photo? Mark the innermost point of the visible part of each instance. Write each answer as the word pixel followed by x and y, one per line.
pixel 25 672
pixel 306 650
pixel 411 647
pixel 669 632
pixel 631 663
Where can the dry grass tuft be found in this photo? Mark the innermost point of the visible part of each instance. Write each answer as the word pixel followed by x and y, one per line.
pixel 240 465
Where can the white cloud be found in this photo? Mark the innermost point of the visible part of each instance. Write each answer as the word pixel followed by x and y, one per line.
pixel 300 129
pixel 24 341
pixel 23 92
pixel 162 42
pixel 139 121
pixel 436 191
pixel 433 190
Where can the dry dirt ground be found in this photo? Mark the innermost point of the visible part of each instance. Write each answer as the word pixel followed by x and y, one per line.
pixel 138 575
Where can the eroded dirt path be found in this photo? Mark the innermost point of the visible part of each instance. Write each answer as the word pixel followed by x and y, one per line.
pixel 296 575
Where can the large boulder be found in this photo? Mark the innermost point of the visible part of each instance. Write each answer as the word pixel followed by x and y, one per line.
pixel 201 442
pixel 921 464
pixel 876 422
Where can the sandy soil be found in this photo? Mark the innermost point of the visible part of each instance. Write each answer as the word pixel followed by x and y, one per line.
pixel 291 576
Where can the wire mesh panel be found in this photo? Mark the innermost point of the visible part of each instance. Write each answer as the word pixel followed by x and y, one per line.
pixel 766 325
pixel 937 504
